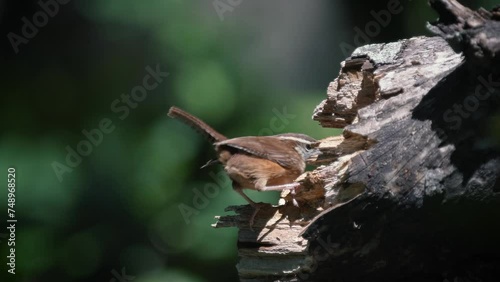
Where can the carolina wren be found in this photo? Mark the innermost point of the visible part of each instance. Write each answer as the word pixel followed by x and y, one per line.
pixel 262 163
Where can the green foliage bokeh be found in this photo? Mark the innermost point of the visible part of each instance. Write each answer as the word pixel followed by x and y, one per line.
pixel 119 208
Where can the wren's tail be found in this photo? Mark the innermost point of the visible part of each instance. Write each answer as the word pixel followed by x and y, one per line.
pixel 196 123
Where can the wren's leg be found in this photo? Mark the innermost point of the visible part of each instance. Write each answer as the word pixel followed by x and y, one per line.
pixel 290 186
pixel 240 191
pixel 255 205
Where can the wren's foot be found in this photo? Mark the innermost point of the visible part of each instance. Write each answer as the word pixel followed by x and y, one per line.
pixel 294 201
pixel 256 207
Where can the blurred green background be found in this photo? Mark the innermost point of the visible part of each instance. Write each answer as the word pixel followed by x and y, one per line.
pixel 232 63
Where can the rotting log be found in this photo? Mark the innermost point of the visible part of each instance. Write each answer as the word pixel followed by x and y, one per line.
pixel 411 190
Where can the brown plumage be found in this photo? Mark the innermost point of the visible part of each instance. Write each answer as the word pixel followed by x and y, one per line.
pixel 197 124
pixel 256 162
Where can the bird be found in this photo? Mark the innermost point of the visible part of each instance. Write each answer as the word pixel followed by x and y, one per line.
pixel 262 163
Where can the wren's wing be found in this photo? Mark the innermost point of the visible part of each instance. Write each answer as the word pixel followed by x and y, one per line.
pixel 267 147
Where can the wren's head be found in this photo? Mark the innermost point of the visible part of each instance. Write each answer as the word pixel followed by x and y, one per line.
pixel 302 143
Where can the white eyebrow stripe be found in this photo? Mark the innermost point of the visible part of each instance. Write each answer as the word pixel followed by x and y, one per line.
pixel 295 139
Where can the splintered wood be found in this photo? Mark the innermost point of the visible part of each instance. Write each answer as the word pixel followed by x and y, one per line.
pixel 377 85
pixel 400 177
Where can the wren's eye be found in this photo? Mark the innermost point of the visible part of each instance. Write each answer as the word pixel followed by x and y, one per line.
pixel 308 146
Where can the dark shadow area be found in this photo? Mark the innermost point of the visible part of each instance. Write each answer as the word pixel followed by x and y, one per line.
pixel 460 108
pixel 373 239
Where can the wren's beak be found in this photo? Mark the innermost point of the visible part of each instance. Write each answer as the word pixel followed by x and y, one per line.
pixel 209 163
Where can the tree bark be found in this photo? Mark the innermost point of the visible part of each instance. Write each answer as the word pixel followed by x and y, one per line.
pixel 411 190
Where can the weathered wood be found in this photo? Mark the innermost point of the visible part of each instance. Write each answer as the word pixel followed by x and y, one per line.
pixel 410 191
pixel 475 33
